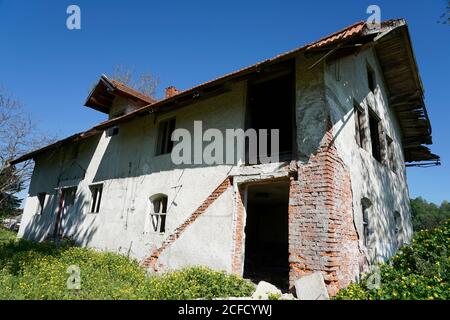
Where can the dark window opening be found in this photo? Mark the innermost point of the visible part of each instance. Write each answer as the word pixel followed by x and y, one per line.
pixel 359 126
pixel 159 213
pixel 96 198
pixel 371 79
pixel 398 227
pixel 391 154
pixel 113 131
pixel 366 204
pixel 165 130
pixel 271 106
pixel 41 198
pixel 375 137
pixel 266 234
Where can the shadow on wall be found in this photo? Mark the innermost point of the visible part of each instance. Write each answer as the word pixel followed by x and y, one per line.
pixel 65 211
pixel 133 153
pixel 74 223
pixel 379 183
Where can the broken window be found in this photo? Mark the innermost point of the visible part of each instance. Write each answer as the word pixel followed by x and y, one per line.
pixel 96 197
pixel 375 137
pixel 41 198
pixel 165 130
pixel 158 212
pixel 391 153
pixel 371 79
pixel 360 134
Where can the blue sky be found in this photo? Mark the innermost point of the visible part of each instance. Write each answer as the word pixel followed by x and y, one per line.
pixel 50 68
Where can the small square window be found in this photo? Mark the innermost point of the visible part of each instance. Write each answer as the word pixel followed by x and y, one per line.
pixel 165 130
pixel 96 197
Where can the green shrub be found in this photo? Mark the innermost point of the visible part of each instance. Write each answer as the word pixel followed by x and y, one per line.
pixel 40 271
pixel 419 271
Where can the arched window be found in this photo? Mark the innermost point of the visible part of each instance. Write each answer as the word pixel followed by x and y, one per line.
pixel 158 211
pixel 366 204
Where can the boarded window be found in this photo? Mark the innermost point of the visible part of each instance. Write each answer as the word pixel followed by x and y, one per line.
pixel 360 135
pixel 158 212
pixel 165 130
pixel 96 197
pixel 375 136
pixel 41 198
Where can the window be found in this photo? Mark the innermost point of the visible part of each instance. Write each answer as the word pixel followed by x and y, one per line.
pixel 366 204
pixel 375 137
pixel 41 198
pixel 96 197
pixel 398 227
pixel 360 134
pixel 165 130
pixel 113 131
pixel 371 79
pixel 158 212
pixel 391 153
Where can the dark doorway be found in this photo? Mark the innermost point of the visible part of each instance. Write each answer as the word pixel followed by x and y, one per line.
pixel 266 234
pixel 271 106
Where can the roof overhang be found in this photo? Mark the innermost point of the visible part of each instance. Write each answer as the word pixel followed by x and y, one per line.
pixel 106 90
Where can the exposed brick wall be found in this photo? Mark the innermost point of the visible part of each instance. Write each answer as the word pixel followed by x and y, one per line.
pixel 152 260
pixel 238 234
pixel 322 234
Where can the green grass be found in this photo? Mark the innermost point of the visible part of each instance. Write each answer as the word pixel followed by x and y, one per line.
pixel 419 271
pixel 42 271
pixel 6 235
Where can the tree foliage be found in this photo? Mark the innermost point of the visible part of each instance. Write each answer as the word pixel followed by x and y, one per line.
pixel 18 135
pixel 419 271
pixel 427 215
pixel 146 83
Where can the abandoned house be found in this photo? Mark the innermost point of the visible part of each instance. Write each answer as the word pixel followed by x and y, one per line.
pixel 351 114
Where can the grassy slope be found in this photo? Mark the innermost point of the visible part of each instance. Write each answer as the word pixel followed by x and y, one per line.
pixel 44 271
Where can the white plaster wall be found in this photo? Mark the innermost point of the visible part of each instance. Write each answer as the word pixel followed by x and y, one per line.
pixel 208 241
pixel 130 171
pixel 345 80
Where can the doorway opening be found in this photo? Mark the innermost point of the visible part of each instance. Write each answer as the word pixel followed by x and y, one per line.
pixel 266 234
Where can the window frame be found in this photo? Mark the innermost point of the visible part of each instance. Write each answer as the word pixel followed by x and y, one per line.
pixel 164 143
pixel 390 149
pixel 360 132
pixel 96 197
pixel 371 78
pixel 41 202
pixel 159 215
pixel 376 124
